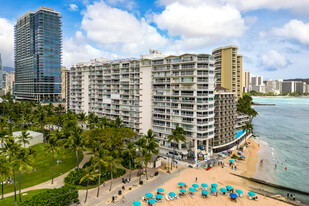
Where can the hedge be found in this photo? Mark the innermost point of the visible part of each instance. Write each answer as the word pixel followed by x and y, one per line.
pixel 63 196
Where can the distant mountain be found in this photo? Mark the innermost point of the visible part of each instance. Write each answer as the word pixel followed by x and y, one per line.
pixel 298 79
pixel 8 69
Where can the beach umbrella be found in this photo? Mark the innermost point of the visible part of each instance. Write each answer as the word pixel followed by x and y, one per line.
pixel 192 189
pixel 204 185
pixel 160 190
pixel 172 194
pixel 231 160
pixel 195 185
pixel 214 185
pixel 233 195
pixel 239 191
pixel 158 196
pixel 152 201
pixel 181 184
pixel 136 203
pixel 243 157
pixel 229 187
pixel 205 192
pixel 251 193
pixel 223 190
pixel 213 189
pixel 148 194
pixel 183 191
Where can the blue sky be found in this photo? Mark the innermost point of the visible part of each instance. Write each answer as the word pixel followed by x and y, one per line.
pixel 272 35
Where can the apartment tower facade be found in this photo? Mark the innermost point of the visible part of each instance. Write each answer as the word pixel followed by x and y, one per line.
pixel 38 56
pixel 228 69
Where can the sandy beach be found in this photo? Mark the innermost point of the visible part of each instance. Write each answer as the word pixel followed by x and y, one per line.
pixel 222 177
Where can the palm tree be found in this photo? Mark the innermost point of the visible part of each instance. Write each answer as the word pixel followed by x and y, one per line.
pixel 248 128
pixel 177 136
pixel 5 172
pixel 23 138
pixel 144 158
pixel 114 162
pixel 23 157
pixel 82 117
pixel 131 152
pixel 3 137
pixel 11 149
pixel 118 123
pixel 100 159
pixel 52 146
pixel 60 109
pixel 141 144
pixel 88 176
pixel 76 141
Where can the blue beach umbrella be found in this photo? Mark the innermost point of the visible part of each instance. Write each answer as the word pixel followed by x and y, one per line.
pixel 214 185
pixel 195 185
pixel 137 203
pixel 152 201
pixel 229 187
pixel 160 190
pixel 233 195
pixel 205 192
pixel 251 193
pixel 204 185
pixel 231 160
pixel 239 191
pixel 242 157
pixel 158 196
pixel 183 190
pixel 223 190
pixel 181 184
pixel 148 194
pixel 172 194
pixel 192 189
pixel 213 189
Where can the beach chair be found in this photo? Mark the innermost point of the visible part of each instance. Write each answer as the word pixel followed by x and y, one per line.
pixel 250 198
pixel 166 197
pixel 177 197
pixel 172 198
pixel 192 196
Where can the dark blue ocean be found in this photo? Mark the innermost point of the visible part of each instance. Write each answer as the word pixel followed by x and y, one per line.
pixel 283 131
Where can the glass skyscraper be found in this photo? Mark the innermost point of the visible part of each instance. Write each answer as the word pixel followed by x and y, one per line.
pixel 38 56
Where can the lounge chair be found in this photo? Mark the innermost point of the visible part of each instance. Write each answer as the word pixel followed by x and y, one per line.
pixel 172 198
pixel 177 197
pixel 192 196
pixel 166 197
pixel 250 198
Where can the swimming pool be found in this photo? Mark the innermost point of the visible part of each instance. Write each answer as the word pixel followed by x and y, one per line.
pixel 239 133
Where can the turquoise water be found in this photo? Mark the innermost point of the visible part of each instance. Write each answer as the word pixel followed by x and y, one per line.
pixel 239 133
pixel 284 130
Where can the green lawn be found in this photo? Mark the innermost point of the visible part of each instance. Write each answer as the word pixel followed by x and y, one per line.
pixel 10 201
pixel 42 162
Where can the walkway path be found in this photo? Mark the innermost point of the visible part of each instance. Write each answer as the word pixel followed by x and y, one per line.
pixel 58 181
pixel 130 196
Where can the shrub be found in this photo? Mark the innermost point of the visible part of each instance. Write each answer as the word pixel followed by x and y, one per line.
pixel 63 196
pixel 234 156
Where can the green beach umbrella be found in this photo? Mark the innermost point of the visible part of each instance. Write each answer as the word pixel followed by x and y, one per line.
pixel 223 190
pixel 183 191
pixel 213 189
pixel 251 193
pixel 172 194
pixel 214 185
pixel 148 194
pixel 229 187
pixel 192 189
pixel 137 203
pixel 195 185
pixel 181 184
pixel 160 190
pixel 158 196
pixel 204 185
pixel 239 191
pixel 231 160
pixel 152 201
pixel 205 192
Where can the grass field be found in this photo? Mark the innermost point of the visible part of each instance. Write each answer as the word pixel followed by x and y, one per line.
pixel 42 162
pixel 10 201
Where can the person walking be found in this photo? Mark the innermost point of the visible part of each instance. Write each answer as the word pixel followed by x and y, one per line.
pixel 294 197
pixel 195 179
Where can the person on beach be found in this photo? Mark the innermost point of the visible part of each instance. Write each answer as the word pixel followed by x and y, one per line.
pixel 104 184
pixel 113 199
pixel 195 179
pixel 287 195
pixel 123 198
pixel 294 197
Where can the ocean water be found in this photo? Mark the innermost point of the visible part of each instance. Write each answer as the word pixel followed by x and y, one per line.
pixel 283 132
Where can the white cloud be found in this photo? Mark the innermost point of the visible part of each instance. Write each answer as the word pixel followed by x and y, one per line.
pixel 272 60
pixel 124 3
pixel 200 24
pixel 294 29
pixel 76 49
pixel 117 30
pixel 7 42
pixel 73 7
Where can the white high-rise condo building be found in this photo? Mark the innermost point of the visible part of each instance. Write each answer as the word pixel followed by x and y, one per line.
pixel 153 92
